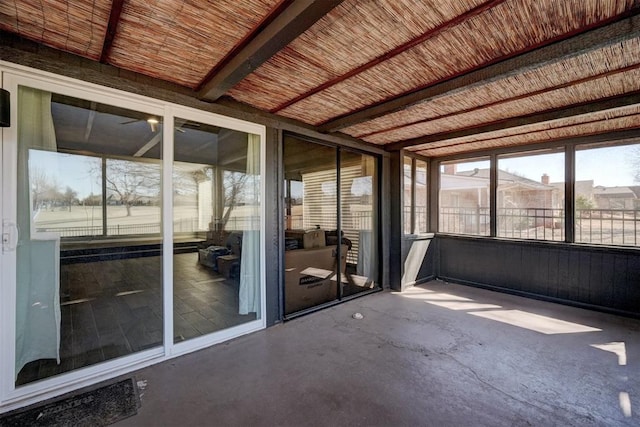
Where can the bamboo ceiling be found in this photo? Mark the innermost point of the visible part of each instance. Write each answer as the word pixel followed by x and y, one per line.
pixel 435 77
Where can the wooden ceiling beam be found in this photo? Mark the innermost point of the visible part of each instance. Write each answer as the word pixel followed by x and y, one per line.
pixel 619 136
pixel 397 51
pixel 294 20
pixel 112 26
pixel 531 119
pixel 507 100
pixel 534 58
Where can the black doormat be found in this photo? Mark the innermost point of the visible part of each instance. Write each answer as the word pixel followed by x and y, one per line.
pixel 100 407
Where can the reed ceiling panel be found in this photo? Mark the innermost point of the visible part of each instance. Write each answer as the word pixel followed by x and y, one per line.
pixel 78 27
pixel 605 87
pixel 181 41
pixel 506 29
pixel 349 36
pixel 535 81
pixel 589 124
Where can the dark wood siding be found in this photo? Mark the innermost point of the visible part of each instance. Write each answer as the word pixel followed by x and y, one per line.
pixel 601 278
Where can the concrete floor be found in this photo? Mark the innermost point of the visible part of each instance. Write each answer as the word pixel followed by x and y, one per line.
pixel 440 354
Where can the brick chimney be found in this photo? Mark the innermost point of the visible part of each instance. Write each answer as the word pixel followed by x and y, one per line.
pixel 450 169
pixel 545 179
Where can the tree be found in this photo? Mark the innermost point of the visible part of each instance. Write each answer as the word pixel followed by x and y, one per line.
pixel 582 203
pixel 92 200
pixel 131 181
pixel 44 189
pixel 69 196
pixel 234 183
pixel 39 185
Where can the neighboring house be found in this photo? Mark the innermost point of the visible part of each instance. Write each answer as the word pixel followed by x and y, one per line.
pixel 514 191
pixel 521 202
pixel 616 197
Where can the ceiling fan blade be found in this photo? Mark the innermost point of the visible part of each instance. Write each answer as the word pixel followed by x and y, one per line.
pixel 130 121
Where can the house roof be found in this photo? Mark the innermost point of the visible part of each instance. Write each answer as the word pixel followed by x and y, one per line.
pixel 506 178
pixel 436 78
pixel 614 192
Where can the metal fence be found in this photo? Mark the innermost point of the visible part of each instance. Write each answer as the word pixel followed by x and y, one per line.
pixel 464 220
pixel 531 223
pixel 420 219
pixel 97 230
pixel 608 226
pixel 598 226
pixel 183 225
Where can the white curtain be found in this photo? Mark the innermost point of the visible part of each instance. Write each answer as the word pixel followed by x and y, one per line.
pixel 249 292
pixel 38 271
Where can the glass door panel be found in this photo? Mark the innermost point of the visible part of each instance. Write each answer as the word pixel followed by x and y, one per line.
pixel 311 196
pixel 358 214
pixel 216 223
pixel 88 255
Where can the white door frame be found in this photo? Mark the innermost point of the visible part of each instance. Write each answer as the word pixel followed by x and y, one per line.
pixel 12 75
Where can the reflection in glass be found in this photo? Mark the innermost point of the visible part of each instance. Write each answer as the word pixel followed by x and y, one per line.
pixel 216 199
pixel 358 208
pixel 464 198
pixel 66 195
pixel 133 197
pixel 317 246
pixel 530 196
pixel 311 196
pixel 83 297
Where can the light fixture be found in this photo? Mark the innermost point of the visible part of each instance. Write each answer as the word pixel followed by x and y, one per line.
pixel 153 123
pixel 5 109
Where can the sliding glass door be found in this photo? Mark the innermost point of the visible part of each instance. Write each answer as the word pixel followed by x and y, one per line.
pixel 132 232
pixel 216 209
pixel 331 211
pixel 89 271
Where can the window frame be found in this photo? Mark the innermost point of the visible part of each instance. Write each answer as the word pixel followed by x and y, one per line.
pixel 570 146
pixel 491 192
pixel 411 206
pixel 523 154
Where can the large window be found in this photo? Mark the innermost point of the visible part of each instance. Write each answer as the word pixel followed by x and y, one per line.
pixel 607 195
pixel 103 178
pixel 464 197
pixel 530 196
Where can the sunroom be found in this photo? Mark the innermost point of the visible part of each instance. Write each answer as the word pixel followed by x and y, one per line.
pixel 176 174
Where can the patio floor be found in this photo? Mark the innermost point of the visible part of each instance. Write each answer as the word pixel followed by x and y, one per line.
pixel 439 354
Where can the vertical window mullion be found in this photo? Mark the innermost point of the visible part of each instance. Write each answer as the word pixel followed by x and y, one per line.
pixel 104 196
pixel 413 196
pixel 569 192
pixel 338 224
pixel 493 192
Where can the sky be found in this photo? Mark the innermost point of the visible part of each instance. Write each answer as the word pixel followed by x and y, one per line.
pixel 67 170
pixel 609 166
